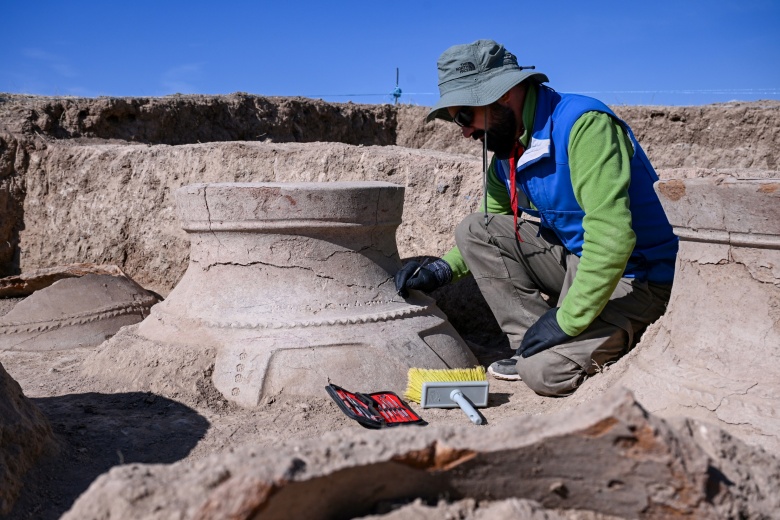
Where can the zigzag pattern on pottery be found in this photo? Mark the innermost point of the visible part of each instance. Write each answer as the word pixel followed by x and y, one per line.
pixel 292 285
pixel 142 306
pixel 407 311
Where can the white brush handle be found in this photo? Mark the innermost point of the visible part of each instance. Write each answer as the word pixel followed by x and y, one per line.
pixel 465 405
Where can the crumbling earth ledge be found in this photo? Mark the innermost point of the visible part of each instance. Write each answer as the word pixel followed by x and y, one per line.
pixel 608 456
pixel 25 435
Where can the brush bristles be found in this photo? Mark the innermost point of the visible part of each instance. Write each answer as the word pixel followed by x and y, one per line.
pixel 418 376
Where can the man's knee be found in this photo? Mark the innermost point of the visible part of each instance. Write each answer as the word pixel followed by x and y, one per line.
pixel 550 374
pixel 466 231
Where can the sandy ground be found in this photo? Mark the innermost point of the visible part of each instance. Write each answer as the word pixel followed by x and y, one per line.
pixel 96 431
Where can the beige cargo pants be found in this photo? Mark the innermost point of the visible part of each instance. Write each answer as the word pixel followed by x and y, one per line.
pixel 511 276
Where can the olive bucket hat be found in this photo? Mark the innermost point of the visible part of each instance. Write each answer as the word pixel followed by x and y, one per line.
pixel 477 74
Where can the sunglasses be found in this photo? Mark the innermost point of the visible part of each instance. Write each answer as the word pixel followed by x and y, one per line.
pixel 464 117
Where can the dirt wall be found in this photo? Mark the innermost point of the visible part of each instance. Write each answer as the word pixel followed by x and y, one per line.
pixel 179 120
pixel 114 203
pixel 89 180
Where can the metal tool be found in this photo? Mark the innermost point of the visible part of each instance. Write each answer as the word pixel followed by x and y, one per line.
pixel 425 262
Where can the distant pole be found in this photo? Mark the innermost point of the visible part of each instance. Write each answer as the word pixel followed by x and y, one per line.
pixel 397 90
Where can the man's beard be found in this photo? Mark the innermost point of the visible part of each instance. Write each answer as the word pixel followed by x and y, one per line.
pixel 501 134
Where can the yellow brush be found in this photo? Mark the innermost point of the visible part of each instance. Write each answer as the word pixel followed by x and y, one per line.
pixel 449 388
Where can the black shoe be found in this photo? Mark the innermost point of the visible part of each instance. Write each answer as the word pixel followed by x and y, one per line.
pixel 505 369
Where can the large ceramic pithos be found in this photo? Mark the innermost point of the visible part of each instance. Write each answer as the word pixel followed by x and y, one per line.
pixel 293 283
pixel 716 353
pixel 73 312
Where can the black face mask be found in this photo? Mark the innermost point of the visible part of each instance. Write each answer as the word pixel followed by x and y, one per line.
pixel 501 134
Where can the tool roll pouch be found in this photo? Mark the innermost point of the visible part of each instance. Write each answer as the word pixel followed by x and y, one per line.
pixel 376 410
pixel 355 407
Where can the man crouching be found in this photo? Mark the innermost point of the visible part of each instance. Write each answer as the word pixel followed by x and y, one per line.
pixel 597 241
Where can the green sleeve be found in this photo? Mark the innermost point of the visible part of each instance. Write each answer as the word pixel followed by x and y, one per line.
pixel 497 203
pixel 599 159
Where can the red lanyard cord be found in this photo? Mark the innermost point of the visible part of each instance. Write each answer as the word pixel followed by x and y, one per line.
pixel 517 151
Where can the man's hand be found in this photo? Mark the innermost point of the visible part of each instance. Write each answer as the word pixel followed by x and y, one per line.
pixel 543 334
pixel 426 278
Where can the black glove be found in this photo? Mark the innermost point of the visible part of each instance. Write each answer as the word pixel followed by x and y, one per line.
pixel 426 278
pixel 543 334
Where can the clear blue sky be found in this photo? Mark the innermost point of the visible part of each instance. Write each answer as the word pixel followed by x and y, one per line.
pixel 660 52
